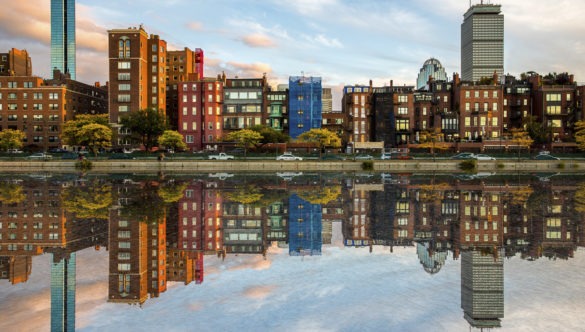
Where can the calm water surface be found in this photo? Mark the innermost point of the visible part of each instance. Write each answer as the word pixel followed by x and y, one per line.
pixel 292 252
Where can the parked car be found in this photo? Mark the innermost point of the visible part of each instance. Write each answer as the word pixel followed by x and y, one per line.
pixel 546 156
pixel 288 156
pixel 483 157
pixel 14 151
pixel 463 155
pixel 386 156
pixel 363 157
pixel 332 156
pixel 121 156
pixel 40 156
pixel 400 156
pixel 220 156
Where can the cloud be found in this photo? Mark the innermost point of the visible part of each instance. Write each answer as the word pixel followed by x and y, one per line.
pixel 322 40
pixel 214 66
pixel 25 20
pixel 196 26
pixel 259 292
pixel 258 40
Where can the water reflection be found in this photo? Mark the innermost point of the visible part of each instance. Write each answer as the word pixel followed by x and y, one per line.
pixel 159 229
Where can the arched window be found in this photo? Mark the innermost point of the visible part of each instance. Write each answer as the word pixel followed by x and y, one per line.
pixel 124 47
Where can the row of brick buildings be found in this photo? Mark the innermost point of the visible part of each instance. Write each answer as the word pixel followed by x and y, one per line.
pixel 143 74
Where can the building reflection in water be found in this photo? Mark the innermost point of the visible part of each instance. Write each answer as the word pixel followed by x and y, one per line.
pixel 159 229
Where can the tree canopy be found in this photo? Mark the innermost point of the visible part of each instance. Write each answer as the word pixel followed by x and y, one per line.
pixel 145 126
pixel 522 139
pixel 91 131
pixel 244 138
pixel 270 135
pixel 172 139
pixel 580 134
pixel 432 140
pixel 322 137
pixel 11 139
pixel 92 200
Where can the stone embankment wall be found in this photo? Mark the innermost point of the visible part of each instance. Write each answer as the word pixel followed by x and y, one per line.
pixel 447 166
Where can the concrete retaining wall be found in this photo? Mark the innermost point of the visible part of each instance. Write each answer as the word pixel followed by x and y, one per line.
pixel 447 166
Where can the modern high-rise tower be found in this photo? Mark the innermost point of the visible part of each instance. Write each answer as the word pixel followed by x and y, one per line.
pixel 63 36
pixel 482 42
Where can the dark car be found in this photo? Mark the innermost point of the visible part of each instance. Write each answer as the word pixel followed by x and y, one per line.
pixel 332 157
pixel 121 156
pixel 546 156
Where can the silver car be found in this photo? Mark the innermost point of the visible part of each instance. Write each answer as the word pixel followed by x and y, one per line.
pixel 288 156
pixel 483 157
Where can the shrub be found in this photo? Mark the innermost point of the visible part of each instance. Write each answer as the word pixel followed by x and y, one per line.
pixel 368 165
pixel 83 164
pixel 468 165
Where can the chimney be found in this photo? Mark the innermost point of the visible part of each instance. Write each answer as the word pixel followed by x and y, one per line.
pixel 391 83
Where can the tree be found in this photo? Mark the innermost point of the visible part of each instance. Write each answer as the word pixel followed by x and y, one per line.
pixel 172 139
pixel 11 139
pixel 535 129
pixel 145 126
pixel 92 200
pixel 244 138
pixel 92 131
pixel 321 195
pixel 580 134
pixel 433 139
pixel 322 137
pixel 522 139
pixel 11 193
pixel 270 135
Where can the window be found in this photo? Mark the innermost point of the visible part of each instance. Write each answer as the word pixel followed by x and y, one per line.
pixel 123 245
pixel 553 97
pixel 402 98
pixel 124 98
pixel 123 267
pixel 124 65
pixel 123 76
pixel 124 47
pixel 124 87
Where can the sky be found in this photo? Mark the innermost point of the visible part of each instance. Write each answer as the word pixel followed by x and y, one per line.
pixel 343 42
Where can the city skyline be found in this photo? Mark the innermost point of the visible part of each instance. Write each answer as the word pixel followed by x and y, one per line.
pixel 344 43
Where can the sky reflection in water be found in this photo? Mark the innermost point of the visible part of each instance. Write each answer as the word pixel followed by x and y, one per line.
pixel 416 267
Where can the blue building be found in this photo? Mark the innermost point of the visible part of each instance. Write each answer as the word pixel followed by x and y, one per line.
pixel 63 36
pixel 305 105
pixel 304 227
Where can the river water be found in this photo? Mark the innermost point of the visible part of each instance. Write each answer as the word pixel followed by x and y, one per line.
pixel 292 251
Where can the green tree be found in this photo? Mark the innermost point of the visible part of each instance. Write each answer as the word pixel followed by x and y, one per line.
pixel 580 134
pixel 92 200
pixel 145 126
pixel 11 139
pixel 244 138
pixel 92 131
pixel 522 139
pixel 270 135
pixel 535 129
pixel 321 195
pixel 172 139
pixel 11 193
pixel 322 137
pixel 432 140
pixel 246 194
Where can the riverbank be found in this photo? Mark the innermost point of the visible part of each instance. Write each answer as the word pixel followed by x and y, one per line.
pixel 395 166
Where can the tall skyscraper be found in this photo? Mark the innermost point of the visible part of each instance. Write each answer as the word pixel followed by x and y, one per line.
pixel 482 42
pixel 63 294
pixel 63 36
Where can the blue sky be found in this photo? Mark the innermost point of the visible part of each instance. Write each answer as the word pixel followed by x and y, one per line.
pixel 344 42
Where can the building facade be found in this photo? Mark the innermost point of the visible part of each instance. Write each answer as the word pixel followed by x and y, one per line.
pixel 482 42
pixel 305 105
pixel 40 107
pixel 15 63
pixel 182 65
pixel 63 36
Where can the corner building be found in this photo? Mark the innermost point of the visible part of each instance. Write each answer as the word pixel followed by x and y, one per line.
pixel 137 73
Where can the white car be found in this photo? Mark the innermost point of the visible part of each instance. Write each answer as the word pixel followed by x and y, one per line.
pixel 483 157
pixel 288 156
pixel 40 155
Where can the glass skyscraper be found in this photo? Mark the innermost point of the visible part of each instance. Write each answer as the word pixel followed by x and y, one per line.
pixel 63 36
pixel 431 67
pixel 482 42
